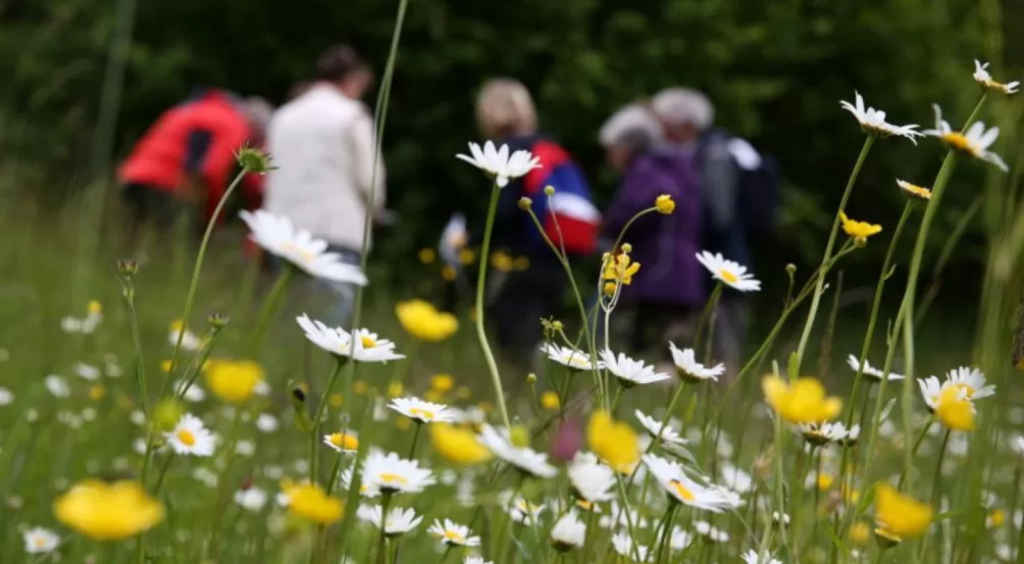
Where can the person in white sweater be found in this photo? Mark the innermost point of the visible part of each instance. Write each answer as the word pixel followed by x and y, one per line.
pixel 326 176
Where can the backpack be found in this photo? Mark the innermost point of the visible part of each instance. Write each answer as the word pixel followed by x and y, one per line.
pixel 569 217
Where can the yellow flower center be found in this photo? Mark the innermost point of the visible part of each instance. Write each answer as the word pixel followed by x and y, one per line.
pixel 960 143
pixel 344 441
pixel 682 491
pixel 967 388
pixel 40 542
pixel 584 504
pixel 186 437
pixel 728 276
pixel 368 342
pixel 393 479
pixel 454 537
pixel 298 252
pixel 421 413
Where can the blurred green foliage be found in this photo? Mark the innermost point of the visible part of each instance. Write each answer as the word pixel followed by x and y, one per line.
pixel 775 70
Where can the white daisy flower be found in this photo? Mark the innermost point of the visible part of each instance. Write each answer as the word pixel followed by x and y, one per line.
pixel 190 436
pixel 365 490
pixel 189 340
pixel 751 557
pixel 870 371
pixel 630 372
pixel 453 534
pixel 974 142
pixel 499 164
pixel 6 396
pixel 422 411
pixel 688 367
pixel 730 272
pixel 823 433
pixel 57 386
pixel 277 234
pixel 736 479
pixel 251 498
pixel 679 539
pixel 591 481
pixel 391 474
pixel 971 380
pixel 523 458
pixel 665 432
pixel 931 389
pixel 70 324
pixel 40 541
pixel 708 531
pixel 266 423
pixel 193 394
pixel 572 358
pixel 524 512
pixel 913 190
pixel 624 545
pixel 347 442
pixel 982 77
pixel 780 518
pixel 204 476
pixel 873 122
pixel 337 341
pixel 399 521
pixel 681 488
pixel 568 533
pixel 86 371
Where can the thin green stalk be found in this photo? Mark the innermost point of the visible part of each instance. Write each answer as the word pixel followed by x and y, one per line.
pixel 705 315
pixel 140 363
pixel 314 438
pixel 415 439
pixel 163 473
pixel 481 333
pixel 913 451
pixel 938 189
pixel 666 526
pixel 269 307
pixel 190 297
pixel 820 284
pixel 384 506
pixel 334 472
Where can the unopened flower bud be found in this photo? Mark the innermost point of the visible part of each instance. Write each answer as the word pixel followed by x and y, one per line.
pixel 127 267
pixel 627 248
pixel 520 436
pixel 791 269
pixel 253 160
pixel 549 190
pixel 860 242
pixel 531 378
pixel 525 203
pixel 217 320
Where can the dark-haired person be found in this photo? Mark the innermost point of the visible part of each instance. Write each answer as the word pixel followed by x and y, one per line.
pixel 187 157
pixel 322 145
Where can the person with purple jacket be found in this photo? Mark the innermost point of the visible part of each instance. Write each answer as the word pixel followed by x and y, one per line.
pixel 668 291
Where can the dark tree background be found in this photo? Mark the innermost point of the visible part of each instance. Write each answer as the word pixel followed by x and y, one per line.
pixel 775 71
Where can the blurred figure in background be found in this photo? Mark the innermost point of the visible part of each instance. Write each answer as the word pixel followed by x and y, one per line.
pixel 187 158
pixel 534 287
pixel 738 189
pixel 668 292
pixel 322 145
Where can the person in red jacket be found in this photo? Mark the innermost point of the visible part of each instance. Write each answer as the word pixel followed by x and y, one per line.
pixel 187 158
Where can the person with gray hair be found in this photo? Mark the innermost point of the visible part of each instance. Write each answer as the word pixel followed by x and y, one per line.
pixel 668 293
pixel 738 189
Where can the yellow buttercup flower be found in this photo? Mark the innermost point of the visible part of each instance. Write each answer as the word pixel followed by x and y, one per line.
pixel 457 445
pixel 311 502
pixel 664 204
pixel 549 400
pixel 899 516
pixel 427 255
pixel 613 441
pixel 423 321
pixel 233 381
pixel 803 401
pixel 448 273
pixel 108 511
pixel 95 307
pixel 954 409
pixel 433 396
pixel 860 532
pixel 395 389
pixel 859 230
pixel 335 400
pixel 467 256
pixel 619 269
pixel 96 393
pixel 360 387
pixel 442 382
pixel 502 262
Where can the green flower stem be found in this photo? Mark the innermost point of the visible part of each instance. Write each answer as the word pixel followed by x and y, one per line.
pixel 195 367
pixel 269 307
pixel 224 483
pixel 913 451
pixel 666 526
pixel 588 334
pixel 384 506
pixel 819 287
pixel 481 332
pixel 705 318
pixel 938 189
pixel 163 473
pixel 140 363
pixel 190 298
pixel 872 320
pixel 314 438
pixel 587 537
pixel 415 439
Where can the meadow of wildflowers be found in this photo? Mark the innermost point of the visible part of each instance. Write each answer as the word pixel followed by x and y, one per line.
pixel 138 431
